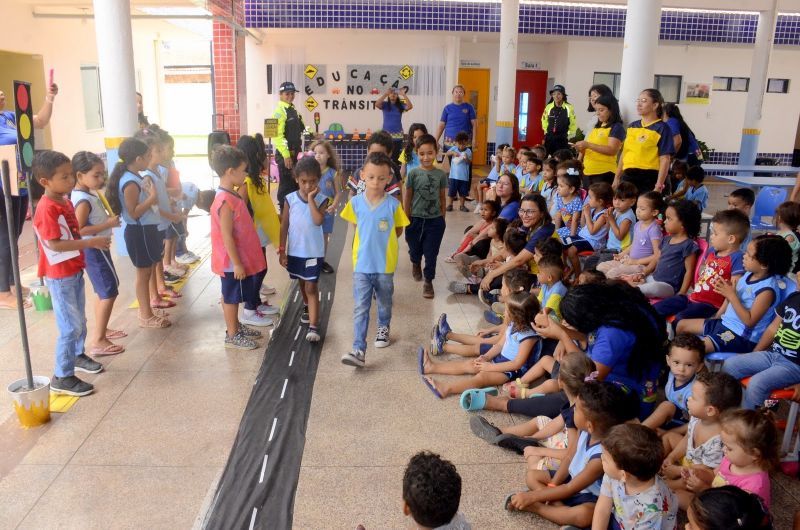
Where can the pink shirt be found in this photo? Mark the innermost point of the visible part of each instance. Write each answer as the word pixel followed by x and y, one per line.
pixel 757 483
pixel 244 236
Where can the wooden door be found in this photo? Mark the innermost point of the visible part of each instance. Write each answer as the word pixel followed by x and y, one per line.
pixel 529 102
pixel 476 88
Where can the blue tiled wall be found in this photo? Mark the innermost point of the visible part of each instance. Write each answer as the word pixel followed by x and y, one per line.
pixel 485 17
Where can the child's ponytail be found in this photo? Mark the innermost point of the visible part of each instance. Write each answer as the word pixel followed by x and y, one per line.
pixel 129 150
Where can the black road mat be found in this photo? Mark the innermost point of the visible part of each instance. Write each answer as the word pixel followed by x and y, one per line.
pixel 257 488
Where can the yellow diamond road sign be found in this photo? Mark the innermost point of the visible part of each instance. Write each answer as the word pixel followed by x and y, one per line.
pixel 406 72
pixel 310 71
pixel 311 103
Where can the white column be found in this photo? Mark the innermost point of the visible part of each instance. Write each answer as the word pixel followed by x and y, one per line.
pixel 452 60
pixel 507 71
pixel 642 25
pixel 751 129
pixel 112 21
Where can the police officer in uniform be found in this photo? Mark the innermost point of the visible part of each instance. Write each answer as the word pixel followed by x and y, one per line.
pixel 558 121
pixel 288 142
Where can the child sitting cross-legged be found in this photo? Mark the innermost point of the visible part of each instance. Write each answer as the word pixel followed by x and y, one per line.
pixel 544 441
pixel 684 360
pixel 749 305
pixel 445 340
pixel 632 494
pixel 750 440
pixel 712 394
pixel 473 268
pixel 506 360
pixel 568 496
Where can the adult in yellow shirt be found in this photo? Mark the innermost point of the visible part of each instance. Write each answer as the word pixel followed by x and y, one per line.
pixel 601 147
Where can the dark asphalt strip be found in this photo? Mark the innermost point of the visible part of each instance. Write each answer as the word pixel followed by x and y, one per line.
pixel 258 486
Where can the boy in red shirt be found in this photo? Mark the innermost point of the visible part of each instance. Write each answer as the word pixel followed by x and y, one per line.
pixel 61 265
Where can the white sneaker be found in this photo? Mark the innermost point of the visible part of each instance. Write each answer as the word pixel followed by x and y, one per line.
pixel 175 271
pixel 255 318
pixel 312 335
pixel 382 337
pixel 478 208
pixel 268 309
pixel 267 290
pixel 185 259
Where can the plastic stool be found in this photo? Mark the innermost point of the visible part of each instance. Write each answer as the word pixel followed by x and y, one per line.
pixel 791 420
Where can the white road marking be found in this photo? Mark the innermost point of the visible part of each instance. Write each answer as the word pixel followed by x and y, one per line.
pixel 263 469
pixel 295 295
pixel 291 359
pixel 272 431
pixel 329 296
pixel 285 382
pixel 253 518
pixel 320 296
pixel 298 332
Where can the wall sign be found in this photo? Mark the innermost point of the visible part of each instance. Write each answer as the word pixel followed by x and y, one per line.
pixel 530 65
pixel 469 63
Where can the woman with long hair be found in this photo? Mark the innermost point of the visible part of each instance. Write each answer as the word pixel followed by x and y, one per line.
pixel 600 149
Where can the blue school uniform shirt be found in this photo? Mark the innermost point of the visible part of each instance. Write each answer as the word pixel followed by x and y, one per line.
pixel 598 239
pixel 305 238
pixel 513 341
pixel 150 217
pixel 566 211
pixel 163 197
pixel 375 247
pixel 747 290
pixel 679 396
pixel 550 298
pixel 459 168
pixel 698 195
pixel 671 266
pixel 584 454
pixel 614 244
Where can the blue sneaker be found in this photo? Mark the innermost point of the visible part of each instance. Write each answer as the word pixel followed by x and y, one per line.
pixel 492 318
pixel 437 343
pixel 443 326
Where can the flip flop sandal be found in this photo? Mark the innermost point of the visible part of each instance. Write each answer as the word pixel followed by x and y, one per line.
pixel 154 321
pixel 421 360
pixel 111 349
pixel 475 398
pixel 162 304
pixel 115 334
pixel 431 387
pixel 484 430
pixel 170 293
pixel 509 387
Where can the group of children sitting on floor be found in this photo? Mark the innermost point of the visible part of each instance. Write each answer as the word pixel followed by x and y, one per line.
pixel 608 459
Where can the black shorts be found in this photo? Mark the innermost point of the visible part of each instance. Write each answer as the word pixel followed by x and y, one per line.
pixel 457 187
pixel 307 269
pixel 145 245
pixel 237 291
pixel 102 274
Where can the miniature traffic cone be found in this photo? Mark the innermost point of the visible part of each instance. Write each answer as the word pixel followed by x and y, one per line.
pixel 356 136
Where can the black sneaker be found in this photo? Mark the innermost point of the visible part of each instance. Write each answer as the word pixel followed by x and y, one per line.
pixel 171 278
pixel 70 386
pixel 327 268
pixel 304 318
pixel 516 443
pixel 84 363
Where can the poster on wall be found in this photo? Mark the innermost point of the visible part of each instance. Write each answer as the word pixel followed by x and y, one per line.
pixel 697 93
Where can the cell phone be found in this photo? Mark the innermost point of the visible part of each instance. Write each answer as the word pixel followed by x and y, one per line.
pixel 50 83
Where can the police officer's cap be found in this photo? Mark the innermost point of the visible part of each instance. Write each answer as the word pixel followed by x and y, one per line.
pixel 558 88
pixel 287 86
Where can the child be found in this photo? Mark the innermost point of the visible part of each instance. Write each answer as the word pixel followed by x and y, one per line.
pixel 749 304
pixel 568 496
pixel 679 170
pixel 503 164
pixel 432 493
pixel 750 439
pixel 775 361
pixel 61 265
pixel 646 240
pixel 94 220
pixel 568 202
pixel 330 187
pixel 460 162
pixel 551 288
pixel 591 276
pixel 489 210
pixel 474 270
pixel 424 202
pixel 508 359
pixel 549 186
pixel 236 254
pixel 742 199
pixel 533 175
pixel 712 394
pixel 379 142
pixel 301 224
pixel 673 272
pixel 521 172
pixel 621 219
pixel 723 260
pixel 695 191
pixel 379 221
pixel 175 191
pixel 514 242
pixel 725 508
pixel 684 360
pixel 787 219
pixel 631 488
pixel 594 230
pixel 132 197
pixel 408 156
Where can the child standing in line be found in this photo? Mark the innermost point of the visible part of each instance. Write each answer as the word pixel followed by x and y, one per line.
pixel 235 248
pixel 684 360
pixel 61 265
pixel 695 189
pixel 424 203
pixel 330 187
pixel 460 162
pixel 408 156
pixel 379 142
pixel 302 242
pixel 632 490
pixel 379 221
pixel 94 220
pixel 132 197
pixel 787 219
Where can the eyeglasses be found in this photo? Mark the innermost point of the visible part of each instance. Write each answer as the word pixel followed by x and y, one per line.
pixel 528 212
pixel 641 100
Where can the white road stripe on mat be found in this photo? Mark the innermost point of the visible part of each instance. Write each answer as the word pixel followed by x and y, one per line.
pixel 285 382
pixel 263 469
pixel 291 358
pixel 272 431
pixel 253 518
pixel 298 332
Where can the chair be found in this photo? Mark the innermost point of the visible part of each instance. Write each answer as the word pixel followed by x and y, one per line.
pixel 767 201
pixel 791 418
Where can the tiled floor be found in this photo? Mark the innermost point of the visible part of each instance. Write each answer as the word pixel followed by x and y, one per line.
pixel 147 449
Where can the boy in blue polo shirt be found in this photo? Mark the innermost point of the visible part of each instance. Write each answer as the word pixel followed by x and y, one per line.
pixel 460 163
pixel 379 220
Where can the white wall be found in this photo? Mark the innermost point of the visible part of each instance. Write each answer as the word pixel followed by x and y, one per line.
pixel 67 44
